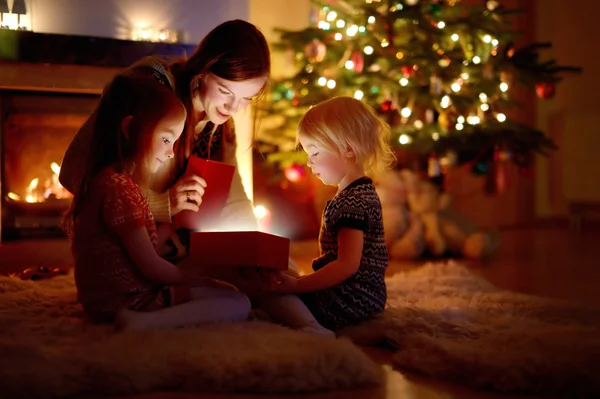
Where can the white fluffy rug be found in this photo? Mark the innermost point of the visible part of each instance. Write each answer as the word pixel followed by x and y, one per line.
pixel 46 350
pixel 442 321
pixel 445 322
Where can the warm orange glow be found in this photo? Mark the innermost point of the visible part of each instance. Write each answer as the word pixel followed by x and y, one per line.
pixel 14 197
pixel 55 168
pixel 51 188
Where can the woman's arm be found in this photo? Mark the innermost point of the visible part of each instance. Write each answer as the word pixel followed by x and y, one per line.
pixel 160 205
pixel 141 251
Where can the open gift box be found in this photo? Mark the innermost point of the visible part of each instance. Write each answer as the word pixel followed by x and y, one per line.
pixel 239 249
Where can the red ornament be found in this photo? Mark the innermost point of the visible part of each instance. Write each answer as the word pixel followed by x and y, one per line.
pixel 407 71
pixel 358 60
pixel 294 173
pixel 545 90
pixel 387 106
pixel 295 102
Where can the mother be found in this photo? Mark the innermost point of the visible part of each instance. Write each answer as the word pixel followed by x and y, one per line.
pixel 228 70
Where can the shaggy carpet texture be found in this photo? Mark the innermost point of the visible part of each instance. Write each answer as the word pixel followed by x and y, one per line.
pixel 47 350
pixel 448 323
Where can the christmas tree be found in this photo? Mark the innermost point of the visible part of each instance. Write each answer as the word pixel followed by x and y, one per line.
pixel 439 72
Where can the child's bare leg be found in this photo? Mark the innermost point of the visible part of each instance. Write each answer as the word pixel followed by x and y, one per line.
pixel 208 305
pixel 291 311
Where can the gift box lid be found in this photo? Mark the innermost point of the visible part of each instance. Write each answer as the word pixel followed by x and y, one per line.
pixel 218 177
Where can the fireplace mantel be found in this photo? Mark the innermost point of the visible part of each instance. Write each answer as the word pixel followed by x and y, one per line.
pixel 76 64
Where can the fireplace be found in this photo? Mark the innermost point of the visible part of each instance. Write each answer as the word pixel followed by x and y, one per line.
pixel 37 128
pixel 49 85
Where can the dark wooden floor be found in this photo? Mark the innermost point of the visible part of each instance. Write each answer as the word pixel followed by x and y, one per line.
pixel 547 261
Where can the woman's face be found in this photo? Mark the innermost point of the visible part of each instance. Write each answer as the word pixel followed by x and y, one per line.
pixel 221 99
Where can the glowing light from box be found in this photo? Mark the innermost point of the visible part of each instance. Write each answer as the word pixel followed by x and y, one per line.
pixel 263 217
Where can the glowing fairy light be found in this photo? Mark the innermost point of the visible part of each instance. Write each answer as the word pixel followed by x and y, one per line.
pixel 445 102
pixel 404 139
pixel 324 25
pixel 473 120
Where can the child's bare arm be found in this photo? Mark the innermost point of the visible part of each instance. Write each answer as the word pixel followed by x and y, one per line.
pixel 142 252
pixel 350 246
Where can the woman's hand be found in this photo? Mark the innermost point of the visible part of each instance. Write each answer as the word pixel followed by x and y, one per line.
pixel 186 193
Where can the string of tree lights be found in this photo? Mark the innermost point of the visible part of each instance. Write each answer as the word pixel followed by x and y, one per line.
pixel 441 73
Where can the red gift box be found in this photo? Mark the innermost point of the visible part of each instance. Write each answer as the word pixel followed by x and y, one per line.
pixel 240 249
pixel 218 176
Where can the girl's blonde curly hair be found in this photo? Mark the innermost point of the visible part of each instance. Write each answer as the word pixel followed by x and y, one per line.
pixel 343 123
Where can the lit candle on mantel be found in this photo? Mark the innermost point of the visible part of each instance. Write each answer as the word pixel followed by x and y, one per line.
pixel 263 217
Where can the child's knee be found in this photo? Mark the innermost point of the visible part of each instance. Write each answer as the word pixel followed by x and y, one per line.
pixel 242 302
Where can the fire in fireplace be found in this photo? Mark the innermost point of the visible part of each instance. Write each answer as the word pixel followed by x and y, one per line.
pixel 50 190
pixel 37 129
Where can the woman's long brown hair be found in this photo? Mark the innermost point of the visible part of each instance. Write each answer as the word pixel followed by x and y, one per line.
pixel 235 50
